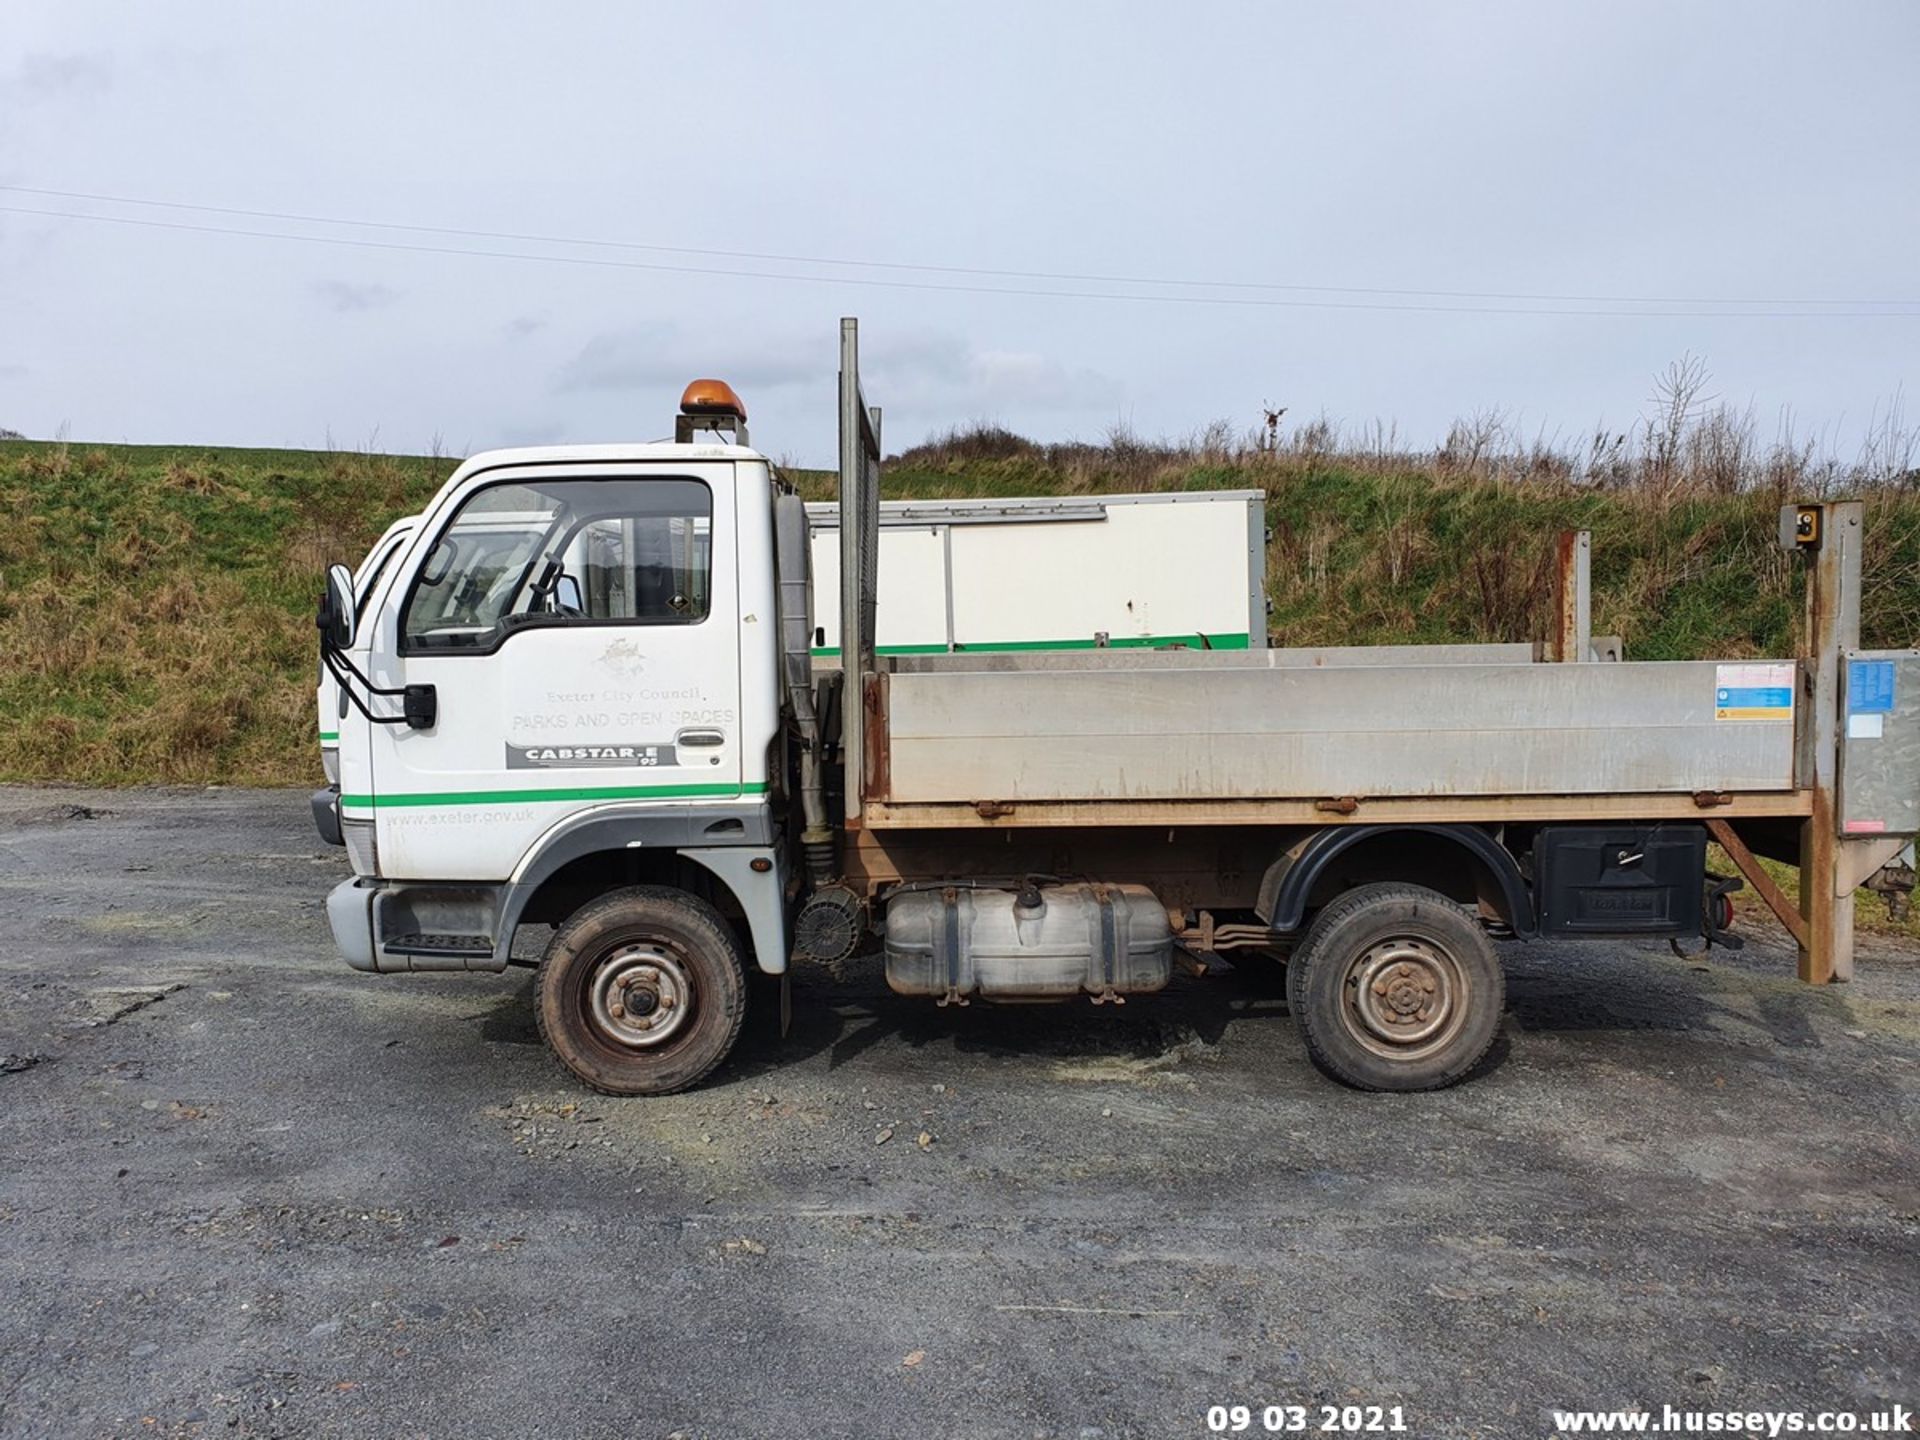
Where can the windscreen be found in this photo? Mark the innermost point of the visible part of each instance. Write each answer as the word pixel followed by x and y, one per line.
pixel 556 552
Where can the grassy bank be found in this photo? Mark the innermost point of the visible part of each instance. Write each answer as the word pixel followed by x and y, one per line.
pixel 155 602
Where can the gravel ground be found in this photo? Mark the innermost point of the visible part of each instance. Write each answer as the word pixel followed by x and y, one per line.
pixel 244 1190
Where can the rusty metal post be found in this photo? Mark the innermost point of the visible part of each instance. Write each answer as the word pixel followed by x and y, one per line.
pixel 1571 637
pixel 1833 626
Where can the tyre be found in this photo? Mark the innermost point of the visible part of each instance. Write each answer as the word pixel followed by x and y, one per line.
pixel 1395 987
pixel 641 992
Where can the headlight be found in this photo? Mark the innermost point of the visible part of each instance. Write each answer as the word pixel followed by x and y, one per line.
pixel 330 762
pixel 363 852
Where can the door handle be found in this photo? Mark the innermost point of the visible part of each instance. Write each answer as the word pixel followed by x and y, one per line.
pixel 421 705
pixel 700 739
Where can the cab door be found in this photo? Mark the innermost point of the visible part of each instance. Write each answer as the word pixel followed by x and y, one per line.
pixel 579 627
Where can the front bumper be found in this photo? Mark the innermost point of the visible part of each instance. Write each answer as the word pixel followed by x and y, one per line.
pixel 350 916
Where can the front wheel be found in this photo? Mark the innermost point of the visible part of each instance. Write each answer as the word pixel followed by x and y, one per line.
pixel 1395 987
pixel 641 992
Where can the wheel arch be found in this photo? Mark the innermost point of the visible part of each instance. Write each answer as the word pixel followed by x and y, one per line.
pixel 1463 861
pixel 597 853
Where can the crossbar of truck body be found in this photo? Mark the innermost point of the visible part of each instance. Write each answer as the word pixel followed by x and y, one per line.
pixel 1336 810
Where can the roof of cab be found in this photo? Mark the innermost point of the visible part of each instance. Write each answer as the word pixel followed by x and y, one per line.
pixel 602 454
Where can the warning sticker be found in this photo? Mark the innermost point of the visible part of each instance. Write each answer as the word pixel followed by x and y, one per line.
pixel 1753 692
pixel 1870 687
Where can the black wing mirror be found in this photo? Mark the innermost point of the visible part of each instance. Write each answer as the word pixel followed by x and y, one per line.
pixel 337 619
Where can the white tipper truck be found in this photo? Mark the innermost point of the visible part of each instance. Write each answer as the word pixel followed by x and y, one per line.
pixel 1092 566
pixel 613 723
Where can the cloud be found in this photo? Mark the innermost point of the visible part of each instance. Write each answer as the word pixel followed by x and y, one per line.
pixel 537 432
pixel 47 75
pixel 943 372
pixel 345 298
pixel 921 372
pixel 662 354
pixel 521 326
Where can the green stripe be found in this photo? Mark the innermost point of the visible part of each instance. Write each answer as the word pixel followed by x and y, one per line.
pixel 329 735
pixel 1118 642
pixel 587 792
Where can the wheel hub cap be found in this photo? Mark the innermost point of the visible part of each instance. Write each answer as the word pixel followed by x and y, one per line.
pixel 640 996
pixel 1403 993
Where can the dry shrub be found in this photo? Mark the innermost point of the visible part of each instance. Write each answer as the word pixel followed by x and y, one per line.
pixel 1510 588
pixel 965 445
pixel 184 680
pixel 193 479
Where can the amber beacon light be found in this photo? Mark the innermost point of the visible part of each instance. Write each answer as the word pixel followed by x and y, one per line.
pixel 712 397
pixel 710 405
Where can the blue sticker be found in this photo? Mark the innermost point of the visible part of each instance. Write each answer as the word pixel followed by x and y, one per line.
pixel 1753 697
pixel 1869 687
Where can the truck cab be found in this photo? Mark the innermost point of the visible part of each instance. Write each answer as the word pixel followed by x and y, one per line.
pixel 565 682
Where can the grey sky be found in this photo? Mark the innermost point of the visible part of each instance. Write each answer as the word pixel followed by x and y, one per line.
pixel 1738 151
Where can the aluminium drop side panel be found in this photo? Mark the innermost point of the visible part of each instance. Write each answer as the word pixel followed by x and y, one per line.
pixel 1879 762
pixel 1234 731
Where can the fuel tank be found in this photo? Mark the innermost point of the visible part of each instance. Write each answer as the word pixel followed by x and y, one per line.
pixel 1043 942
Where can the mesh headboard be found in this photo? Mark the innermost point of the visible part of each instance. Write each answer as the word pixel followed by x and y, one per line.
pixel 859 556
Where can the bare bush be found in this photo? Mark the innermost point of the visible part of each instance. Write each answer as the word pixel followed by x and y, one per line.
pixel 1888 454
pixel 1316 441
pixel 1678 394
pixel 1473 444
pixel 1216 443
pixel 1719 449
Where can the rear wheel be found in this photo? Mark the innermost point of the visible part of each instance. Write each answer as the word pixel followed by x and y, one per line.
pixel 1395 987
pixel 641 992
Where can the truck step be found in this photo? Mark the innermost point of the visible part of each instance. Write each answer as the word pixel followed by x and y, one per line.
pixel 438 945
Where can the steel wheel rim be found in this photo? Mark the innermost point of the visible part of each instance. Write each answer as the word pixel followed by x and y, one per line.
pixel 640 996
pixel 1405 998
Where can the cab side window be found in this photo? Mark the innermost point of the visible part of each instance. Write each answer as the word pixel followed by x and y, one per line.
pixel 371 581
pixel 563 552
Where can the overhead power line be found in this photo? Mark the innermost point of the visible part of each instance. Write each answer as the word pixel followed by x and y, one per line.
pixel 1231 300
pixel 1089 279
